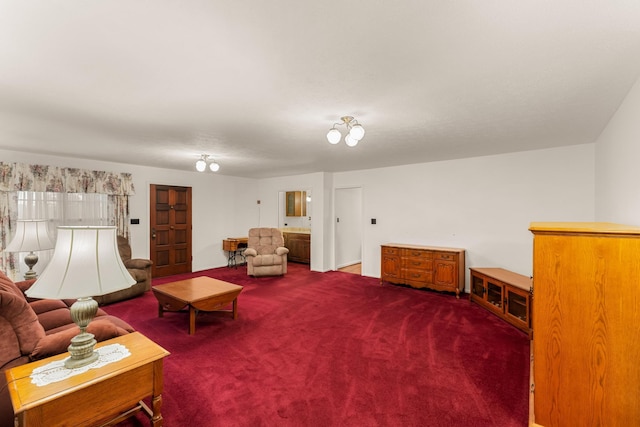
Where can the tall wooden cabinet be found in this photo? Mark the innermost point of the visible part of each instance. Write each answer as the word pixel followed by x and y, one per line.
pixel 586 324
pixel 441 269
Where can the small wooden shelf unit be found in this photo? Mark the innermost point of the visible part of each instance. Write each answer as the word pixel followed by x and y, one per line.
pixel 504 293
pixel 432 267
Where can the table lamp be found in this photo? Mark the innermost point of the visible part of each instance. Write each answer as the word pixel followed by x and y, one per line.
pixel 31 235
pixel 85 263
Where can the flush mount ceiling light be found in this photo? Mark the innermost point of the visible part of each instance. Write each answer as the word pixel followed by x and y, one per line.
pixel 201 164
pixel 355 129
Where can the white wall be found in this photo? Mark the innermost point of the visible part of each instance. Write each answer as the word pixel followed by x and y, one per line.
pixel 618 164
pixel 482 204
pixel 223 206
pixel 270 200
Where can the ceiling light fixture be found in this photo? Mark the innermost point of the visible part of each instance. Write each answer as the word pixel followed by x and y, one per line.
pixel 355 129
pixel 201 164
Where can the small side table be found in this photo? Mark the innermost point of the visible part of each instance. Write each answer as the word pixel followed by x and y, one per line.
pixel 235 246
pixel 104 395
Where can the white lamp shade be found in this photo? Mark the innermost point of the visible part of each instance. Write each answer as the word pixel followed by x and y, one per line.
pixel 85 263
pixel 333 136
pixel 357 132
pixel 201 165
pixel 350 140
pixel 31 235
pixel 214 167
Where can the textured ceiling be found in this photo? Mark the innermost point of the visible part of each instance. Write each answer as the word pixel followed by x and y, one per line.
pixel 257 85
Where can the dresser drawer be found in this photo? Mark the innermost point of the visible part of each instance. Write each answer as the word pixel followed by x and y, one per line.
pixel 418 263
pixel 447 256
pixel 387 250
pixel 417 254
pixel 419 276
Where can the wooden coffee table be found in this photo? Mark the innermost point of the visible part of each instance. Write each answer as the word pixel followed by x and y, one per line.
pixel 200 293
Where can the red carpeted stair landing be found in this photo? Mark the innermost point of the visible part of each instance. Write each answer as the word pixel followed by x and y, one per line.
pixel 336 349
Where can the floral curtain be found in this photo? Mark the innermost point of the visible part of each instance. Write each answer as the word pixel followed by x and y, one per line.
pixel 25 177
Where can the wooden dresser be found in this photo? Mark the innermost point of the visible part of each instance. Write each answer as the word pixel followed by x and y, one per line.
pixel 432 267
pixel 586 324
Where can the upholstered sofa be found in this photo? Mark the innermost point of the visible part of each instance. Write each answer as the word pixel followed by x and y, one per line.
pixel 140 270
pixel 32 329
pixel 265 253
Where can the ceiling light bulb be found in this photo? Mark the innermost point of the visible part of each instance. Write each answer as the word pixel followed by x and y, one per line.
pixel 334 136
pixel 357 132
pixel 350 140
pixel 214 166
pixel 201 165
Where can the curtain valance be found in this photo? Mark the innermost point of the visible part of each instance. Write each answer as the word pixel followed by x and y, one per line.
pixel 26 177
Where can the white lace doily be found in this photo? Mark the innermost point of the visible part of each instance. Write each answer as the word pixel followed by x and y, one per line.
pixel 55 371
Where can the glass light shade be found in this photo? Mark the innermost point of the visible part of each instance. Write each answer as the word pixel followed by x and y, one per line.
pixel 201 165
pixel 85 263
pixel 350 140
pixel 31 235
pixel 357 132
pixel 214 167
pixel 334 136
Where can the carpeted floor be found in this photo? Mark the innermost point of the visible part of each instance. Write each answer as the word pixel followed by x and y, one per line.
pixel 336 349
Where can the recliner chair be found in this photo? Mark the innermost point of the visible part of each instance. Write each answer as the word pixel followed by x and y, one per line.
pixel 140 270
pixel 265 253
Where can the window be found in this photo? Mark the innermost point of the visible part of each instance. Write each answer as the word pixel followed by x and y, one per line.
pixel 64 208
pixel 61 209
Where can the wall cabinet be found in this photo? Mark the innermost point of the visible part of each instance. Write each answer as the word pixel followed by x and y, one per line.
pixel 437 268
pixel 296 203
pixel 586 317
pixel 504 293
pixel 299 245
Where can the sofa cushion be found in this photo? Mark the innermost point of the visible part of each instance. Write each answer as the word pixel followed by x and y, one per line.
pixel 263 260
pixel 7 285
pixel 19 327
pixel 102 328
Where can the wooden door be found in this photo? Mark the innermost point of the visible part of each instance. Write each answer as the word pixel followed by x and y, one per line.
pixel 170 230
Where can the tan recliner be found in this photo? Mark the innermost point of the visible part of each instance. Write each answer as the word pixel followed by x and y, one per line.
pixel 265 253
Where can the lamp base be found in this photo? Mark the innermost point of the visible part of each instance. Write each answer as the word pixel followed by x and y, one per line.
pixel 30 259
pixel 82 352
pixel 82 313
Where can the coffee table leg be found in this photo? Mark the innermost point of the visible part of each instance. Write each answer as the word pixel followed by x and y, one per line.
pixel 235 308
pixel 192 320
pixel 160 310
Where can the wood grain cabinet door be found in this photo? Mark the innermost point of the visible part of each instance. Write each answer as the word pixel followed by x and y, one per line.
pixel 391 265
pixel 445 274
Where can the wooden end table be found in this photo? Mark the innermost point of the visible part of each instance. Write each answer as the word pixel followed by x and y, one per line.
pixel 200 293
pixel 100 396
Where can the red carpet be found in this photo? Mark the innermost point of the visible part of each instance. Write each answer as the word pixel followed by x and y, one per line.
pixel 336 349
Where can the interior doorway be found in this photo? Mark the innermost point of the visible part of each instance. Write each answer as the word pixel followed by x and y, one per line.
pixel 348 227
pixel 170 222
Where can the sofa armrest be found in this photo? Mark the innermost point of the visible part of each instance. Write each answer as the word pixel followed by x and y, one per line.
pixel 250 252
pixel 138 263
pixel 25 284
